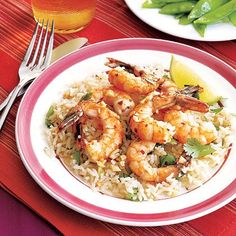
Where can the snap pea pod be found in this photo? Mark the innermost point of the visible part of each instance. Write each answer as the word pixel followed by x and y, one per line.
pixel 217 14
pixel 159 3
pixel 204 6
pixel 184 20
pixel 232 18
pixel 200 28
pixel 178 7
pixel 225 20
pixel 178 16
pixel 148 4
pixel 171 1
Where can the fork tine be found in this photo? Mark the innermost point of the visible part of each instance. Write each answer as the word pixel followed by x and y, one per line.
pixel 49 49
pixel 43 46
pixel 37 46
pixel 27 72
pixel 31 45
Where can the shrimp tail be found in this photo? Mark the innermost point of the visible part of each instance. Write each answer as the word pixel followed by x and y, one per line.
pixel 113 63
pixel 191 90
pixel 191 103
pixel 70 120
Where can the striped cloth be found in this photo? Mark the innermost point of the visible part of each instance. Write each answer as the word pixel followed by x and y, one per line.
pixel 113 20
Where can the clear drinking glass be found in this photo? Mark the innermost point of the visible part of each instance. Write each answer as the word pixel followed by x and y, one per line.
pixel 69 15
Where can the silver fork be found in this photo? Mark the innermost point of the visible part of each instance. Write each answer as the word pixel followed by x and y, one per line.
pixel 30 69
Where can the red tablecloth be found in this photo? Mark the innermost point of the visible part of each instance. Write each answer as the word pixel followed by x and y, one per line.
pixel 113 20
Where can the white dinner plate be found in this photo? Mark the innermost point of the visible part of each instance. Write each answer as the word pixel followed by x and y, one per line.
pixel 51 175
pixel 169 25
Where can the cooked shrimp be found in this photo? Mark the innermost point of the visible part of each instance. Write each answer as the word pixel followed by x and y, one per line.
pixel 186 126
pixel 168 87
pixel 131 79
pixel 170 95
pixel 163 101
pixel 146 127
pixel 189 125
pixel 112 131
pixel 121 102
pixel 137 161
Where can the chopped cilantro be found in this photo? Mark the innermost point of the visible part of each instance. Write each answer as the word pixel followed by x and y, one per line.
pixel 196 95
pixel 86 97
pixel 130 196
pixel 167 160
pixel 181 174
pixel 217 127
pixel 133 196
pixel 196 149
pixel 49 113
pixel 123 175
pixel 217 110
pixel 173 141
pixel 76 156
pixel 135 190
pixel 165 76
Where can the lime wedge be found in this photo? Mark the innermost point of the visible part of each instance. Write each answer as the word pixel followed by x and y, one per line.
pixel 183 75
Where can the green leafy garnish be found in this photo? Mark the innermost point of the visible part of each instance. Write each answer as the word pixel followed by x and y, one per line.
pixel 49 113
pixel 123 175
pixel 167 160
pixel 196 95
pixel 86 97
pixel 195 149
pixel 181 174
pixel 173 141
pixel 133 196
pixel 135 190
pixel 217 127
pixel 217 110
pixel 165 76
pixel 76 156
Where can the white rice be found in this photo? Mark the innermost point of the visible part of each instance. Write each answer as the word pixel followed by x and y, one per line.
pixel 109 178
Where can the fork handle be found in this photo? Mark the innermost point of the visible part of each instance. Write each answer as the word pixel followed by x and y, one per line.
pixel 4 103
pixel 9 104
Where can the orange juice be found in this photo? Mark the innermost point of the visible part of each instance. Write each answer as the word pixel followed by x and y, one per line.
pixel 69 15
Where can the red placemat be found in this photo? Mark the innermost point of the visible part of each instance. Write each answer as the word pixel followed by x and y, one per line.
pixel 113 20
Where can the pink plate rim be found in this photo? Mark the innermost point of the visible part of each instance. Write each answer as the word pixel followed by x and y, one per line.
pixel 29 157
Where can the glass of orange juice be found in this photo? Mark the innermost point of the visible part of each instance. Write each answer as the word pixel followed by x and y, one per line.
pixel 69 15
